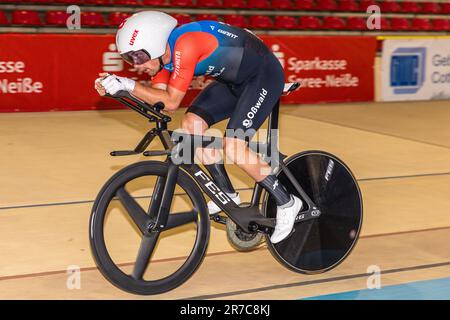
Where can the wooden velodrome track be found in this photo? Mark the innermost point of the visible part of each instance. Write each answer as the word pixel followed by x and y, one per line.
pixel 53 165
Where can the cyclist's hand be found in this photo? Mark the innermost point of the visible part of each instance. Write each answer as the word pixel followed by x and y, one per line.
pixel 112 84
pixel 98 86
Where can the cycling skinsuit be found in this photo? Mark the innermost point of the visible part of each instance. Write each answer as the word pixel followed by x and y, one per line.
pixel 249 79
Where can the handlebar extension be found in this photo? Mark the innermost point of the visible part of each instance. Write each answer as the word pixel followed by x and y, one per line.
pixel 141 106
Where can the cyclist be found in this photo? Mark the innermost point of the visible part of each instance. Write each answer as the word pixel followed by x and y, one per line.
pixel 248 82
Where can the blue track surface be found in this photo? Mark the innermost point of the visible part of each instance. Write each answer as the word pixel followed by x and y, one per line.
pixel 437 289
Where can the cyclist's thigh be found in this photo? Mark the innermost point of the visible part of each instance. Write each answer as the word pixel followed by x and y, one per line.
pixel 214 103
pixel 258 97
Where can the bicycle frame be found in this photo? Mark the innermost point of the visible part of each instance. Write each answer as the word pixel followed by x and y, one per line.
pixel 248 218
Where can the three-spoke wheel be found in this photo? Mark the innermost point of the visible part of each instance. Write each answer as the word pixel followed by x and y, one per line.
pixel 128 259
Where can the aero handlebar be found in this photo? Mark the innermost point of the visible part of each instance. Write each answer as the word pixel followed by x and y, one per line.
pixel 140 106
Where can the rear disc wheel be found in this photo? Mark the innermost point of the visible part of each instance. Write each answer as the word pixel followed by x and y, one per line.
pixel 320 244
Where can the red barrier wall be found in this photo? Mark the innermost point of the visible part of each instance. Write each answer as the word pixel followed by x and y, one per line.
pixel 57 72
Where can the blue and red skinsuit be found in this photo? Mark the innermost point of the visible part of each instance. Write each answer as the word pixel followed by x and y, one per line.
pixel 249 78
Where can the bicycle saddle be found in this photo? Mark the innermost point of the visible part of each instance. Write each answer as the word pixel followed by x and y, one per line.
pixel 290 87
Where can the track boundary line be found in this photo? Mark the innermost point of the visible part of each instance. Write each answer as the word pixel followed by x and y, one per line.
pixel 419 175
pixel 317 281
pixel 239 189
pixel 370 131
pixel 86 201
pixel 48 273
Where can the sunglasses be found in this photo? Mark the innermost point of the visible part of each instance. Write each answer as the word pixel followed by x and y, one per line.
pixel 136 57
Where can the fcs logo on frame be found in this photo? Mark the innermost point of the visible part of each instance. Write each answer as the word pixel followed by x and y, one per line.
pixel 407 70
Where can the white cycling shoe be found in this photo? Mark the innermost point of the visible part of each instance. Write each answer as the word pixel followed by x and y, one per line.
pixel 214 208
pixel 285 220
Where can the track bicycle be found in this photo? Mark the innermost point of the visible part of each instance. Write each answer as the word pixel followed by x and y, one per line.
pixel 325 232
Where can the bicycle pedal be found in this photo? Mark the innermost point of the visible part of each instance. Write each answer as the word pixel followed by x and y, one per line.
pixel 217 218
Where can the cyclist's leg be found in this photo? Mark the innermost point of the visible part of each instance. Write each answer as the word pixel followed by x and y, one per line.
pixel 214 104
pixel 256 102
pixel 254 106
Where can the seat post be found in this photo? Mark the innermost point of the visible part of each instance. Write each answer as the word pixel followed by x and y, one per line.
pixel 273 124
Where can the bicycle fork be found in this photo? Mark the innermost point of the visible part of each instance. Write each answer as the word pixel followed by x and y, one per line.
pixel 161 199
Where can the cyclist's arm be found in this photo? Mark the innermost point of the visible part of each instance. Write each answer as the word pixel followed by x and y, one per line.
pixel 171 97
pixel 186 55
pixel 160 80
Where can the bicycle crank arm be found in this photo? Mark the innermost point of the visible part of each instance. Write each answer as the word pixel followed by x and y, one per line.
pixel 313 213
pixel 218 219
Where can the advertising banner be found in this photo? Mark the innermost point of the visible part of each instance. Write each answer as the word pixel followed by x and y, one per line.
pixel 44 72
pixel 330 69
pixel 416 69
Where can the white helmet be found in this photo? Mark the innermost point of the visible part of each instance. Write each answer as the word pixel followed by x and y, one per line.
pixel 144 36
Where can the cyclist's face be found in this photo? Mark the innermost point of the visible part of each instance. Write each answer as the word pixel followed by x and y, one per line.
pixel 151 67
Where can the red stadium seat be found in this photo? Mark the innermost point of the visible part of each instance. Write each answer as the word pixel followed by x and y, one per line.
pixel 421 24
pixel 235 20
pixel 348 5
pixel 389 6
pixel 285 22
pixel 410 7
pixel 49 1
pixel 209 3
pixel 333 23
pixel 125 2
pixel 3 18
pixel 98 2
pixel 258 4
pixel 304 5
pixel 364 4
pixel 116 18
pixel 56 18
pixel 200 17
pixel 281 4
pixel 155 3
pixel 26 18
pixel 260 22
pixel 181 3
pixel 430 7
pixel 326 5
pixel 234 4
pixel 440 24
pixel 182 18
pixel 63 1
pixel 445 8
pixel 385 24
pixel 399 24
pixel 309 23
pixel 356 23
pixel 92 19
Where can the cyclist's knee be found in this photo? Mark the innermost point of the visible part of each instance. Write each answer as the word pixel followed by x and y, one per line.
pixel 192 123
